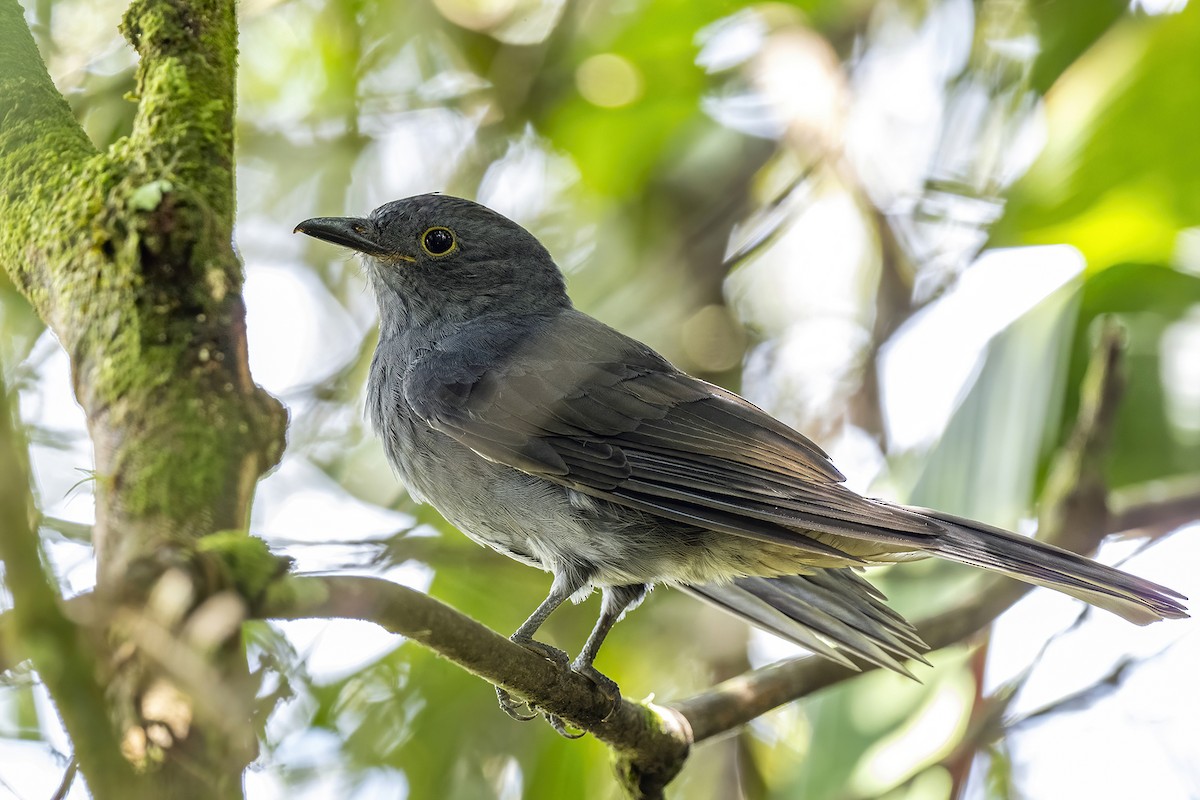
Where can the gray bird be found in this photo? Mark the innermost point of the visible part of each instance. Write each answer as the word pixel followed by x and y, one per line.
pixel 552 438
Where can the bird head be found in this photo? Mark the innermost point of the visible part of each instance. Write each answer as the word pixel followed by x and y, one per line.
pixel 436 259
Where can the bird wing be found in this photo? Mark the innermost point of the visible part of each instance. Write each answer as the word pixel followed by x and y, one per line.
pixel 573 401
pixel 576 402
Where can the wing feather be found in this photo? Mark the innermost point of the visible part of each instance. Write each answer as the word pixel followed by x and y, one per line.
pixel 580 404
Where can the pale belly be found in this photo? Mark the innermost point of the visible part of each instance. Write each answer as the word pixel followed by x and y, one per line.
pixel 551 527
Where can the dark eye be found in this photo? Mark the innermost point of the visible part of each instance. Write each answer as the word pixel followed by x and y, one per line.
pixel 438 241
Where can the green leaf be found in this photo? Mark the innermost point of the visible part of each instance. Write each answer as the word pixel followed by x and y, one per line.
pixel 984 464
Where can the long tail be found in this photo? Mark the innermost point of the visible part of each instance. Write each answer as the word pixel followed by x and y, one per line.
pixel 1029 560
pixel 831 612
pixel 836 612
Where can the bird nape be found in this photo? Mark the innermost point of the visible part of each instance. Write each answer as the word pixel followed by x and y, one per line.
pixel 552 438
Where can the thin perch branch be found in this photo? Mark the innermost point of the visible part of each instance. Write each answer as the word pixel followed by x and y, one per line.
pixel 656 736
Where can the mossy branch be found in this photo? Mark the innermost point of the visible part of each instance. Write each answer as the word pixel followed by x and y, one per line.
pixel 186 79
pixel 127 255
pixel 38 132
pixel 42 149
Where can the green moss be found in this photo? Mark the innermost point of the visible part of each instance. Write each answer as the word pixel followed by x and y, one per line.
pixel 247 562
pixel 128 256
pixel 190 87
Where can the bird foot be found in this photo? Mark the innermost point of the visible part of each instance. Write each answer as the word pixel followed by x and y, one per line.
pixel 608 687
pixel 544 650
pixel 521 710
pixel 513 706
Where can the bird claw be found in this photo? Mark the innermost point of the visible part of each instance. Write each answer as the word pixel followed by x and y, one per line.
pixel 607 686
pixel 560 727
pixel 552 654
pixel 512 706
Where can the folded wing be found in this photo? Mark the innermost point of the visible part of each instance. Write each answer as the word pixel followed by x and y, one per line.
pixel 575 402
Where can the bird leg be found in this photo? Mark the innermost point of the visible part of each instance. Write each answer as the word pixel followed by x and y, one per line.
pixel 616 601
pixel 563 587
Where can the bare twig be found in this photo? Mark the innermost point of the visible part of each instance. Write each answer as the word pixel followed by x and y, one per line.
pixel 68 778
pixel 1154 509
pixel 59 651
pixel 737 701
pixel 1087 696
pixel 990 725
pixel 1072 516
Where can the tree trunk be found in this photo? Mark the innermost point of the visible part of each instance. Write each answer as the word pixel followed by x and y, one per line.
pixel 127 256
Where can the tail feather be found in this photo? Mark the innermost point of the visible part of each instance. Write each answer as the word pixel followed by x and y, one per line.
pixel 836 613
pixel 831 612
pixel 1137 600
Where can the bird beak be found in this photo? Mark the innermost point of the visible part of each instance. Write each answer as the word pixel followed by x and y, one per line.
pixel 353 232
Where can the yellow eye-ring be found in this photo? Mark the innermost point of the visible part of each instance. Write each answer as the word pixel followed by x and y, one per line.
pixel 438 241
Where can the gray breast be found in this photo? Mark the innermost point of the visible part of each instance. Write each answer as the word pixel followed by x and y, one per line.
pixel 524 517
pixel 539 522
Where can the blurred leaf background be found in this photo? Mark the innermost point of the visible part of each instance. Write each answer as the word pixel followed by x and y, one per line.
pixel 893 223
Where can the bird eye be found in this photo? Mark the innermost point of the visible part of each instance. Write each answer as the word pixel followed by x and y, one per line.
pixel 438 241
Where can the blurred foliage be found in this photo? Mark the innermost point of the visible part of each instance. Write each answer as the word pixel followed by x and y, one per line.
pixel 857 156
pixel 1151 300
pixel 1118 177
